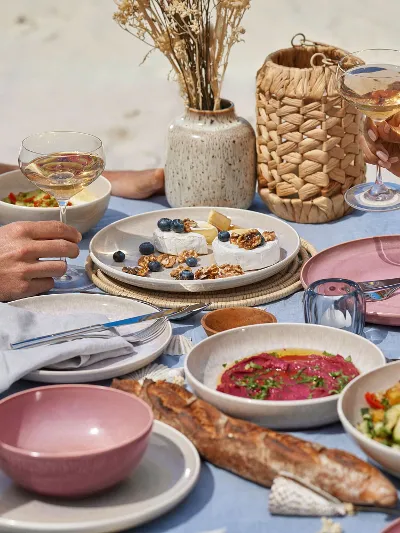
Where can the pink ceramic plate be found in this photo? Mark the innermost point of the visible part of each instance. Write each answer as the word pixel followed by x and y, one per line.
pixel 394 527
pixel 362 260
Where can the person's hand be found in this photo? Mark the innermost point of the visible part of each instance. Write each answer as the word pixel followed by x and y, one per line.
pixel 136 184
pixel 381 143
pixel 22 244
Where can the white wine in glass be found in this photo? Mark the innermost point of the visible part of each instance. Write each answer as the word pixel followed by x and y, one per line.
pixel 63 163
pixel 370 80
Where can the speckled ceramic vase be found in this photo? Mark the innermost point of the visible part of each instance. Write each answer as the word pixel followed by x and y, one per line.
pixel 211 159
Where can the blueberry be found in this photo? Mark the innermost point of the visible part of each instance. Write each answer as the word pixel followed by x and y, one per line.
pixel 177 226
pixel 164 224
pixel 146 248
pixel 154 266
pixel 186 275
pixel 191 261
pixel 119 256
pixel 224 236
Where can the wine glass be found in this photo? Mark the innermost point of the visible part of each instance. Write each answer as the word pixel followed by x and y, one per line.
pixel 370 80
pixel 63 163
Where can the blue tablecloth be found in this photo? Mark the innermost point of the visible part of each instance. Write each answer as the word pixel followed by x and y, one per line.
pixel 221 499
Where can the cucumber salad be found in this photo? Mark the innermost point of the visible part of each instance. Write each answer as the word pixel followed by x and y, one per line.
pixel 381 420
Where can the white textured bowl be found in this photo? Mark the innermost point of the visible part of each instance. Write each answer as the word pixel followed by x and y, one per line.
pixel 352 400
pixel 203 368
pixel 83 216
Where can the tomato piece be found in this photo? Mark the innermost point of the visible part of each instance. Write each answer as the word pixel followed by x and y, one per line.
pixel 373 401
pixel 69 203
pixel 29 200
pixel 46 197
pixel 12 197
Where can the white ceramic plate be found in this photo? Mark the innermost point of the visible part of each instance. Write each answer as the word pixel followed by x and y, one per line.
pixel 114 308
pixel 203 367
pixel 167 473
pixel 349 409
pixel 129 233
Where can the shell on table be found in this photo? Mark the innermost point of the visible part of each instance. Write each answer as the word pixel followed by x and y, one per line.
pixel 157 372
pixel 292 496
pixel 179 345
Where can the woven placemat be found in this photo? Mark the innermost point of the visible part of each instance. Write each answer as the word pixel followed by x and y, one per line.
pixel 275 288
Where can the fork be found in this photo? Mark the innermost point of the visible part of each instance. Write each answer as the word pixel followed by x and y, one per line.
pixel 142 336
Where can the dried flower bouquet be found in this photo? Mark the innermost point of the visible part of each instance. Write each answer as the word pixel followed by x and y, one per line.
pixel 195 35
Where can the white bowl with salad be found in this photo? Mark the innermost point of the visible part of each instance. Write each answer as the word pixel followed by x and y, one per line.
pixel 369 410
pixel 19 200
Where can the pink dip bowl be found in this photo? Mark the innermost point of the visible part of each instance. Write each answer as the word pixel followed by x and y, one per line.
pixel 72 440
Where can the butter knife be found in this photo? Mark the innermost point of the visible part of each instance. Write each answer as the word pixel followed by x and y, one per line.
pixel 99 327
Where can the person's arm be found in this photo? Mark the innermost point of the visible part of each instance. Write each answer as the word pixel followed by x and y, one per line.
pixel 136 184
pixel 6 168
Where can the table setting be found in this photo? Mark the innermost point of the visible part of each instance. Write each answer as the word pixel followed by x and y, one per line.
pixel 224 357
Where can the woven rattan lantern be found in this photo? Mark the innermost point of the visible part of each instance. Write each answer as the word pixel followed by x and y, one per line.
pixel 307 135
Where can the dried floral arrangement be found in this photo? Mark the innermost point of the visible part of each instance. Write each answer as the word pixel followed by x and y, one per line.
pixel 195 35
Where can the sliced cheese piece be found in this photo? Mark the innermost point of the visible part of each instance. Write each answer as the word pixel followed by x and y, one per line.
pixel 207 230
pixel 169 242
pixel 220 221
pixel 261 257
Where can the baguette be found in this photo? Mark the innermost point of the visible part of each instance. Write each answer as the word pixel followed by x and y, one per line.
pixel 259 454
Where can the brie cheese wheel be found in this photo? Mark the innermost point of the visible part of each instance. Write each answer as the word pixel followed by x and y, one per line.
pixel 206 229
pixel 261 257
pixel 169 242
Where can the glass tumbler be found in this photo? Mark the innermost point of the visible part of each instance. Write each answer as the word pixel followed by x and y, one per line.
pixel 338 303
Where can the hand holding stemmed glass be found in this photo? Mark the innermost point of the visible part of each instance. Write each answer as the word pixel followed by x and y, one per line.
pixel 370 80
pixel 63 163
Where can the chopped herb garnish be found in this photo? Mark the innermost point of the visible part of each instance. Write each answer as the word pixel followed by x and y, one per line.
pixel 274 354
pixel 385 403
pixel 253 365
pixel 299 373
pixel 349 359
pixel 224 364
pixel 310 396
pixel 334 391
pixel 328 354
pixel 317 367
pixel 335 374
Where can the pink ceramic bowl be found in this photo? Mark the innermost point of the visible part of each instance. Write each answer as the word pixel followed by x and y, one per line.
pixel 72 440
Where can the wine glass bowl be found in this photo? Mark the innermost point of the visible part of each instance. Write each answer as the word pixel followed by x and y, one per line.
pixel 370 80
pixel 63 163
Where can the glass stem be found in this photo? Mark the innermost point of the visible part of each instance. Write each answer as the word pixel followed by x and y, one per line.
pixel 63 218
pixel 378 187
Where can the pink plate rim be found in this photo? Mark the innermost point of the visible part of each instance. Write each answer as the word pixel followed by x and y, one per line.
pixel 389 528
pixel 67 455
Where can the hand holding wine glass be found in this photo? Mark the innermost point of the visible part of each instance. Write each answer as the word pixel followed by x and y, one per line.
pixel 63 163
pixel 381 143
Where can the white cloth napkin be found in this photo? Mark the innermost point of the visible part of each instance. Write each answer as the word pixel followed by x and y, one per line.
pixel 19 324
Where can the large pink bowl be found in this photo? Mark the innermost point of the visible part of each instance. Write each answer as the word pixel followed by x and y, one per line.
pixel 72 440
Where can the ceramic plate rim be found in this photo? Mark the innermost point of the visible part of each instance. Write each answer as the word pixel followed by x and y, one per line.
pixel 165 284
pixel 271 403
pixel 382 314
pixel 48 374
pixel 185 485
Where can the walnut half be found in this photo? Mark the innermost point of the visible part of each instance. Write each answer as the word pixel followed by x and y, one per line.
pixel 136 271
pixel 181 258
pixel 167 260
pixel 175 273
pixel 189 224
pixel 269 235
pixel 249 240
pixel 227 271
